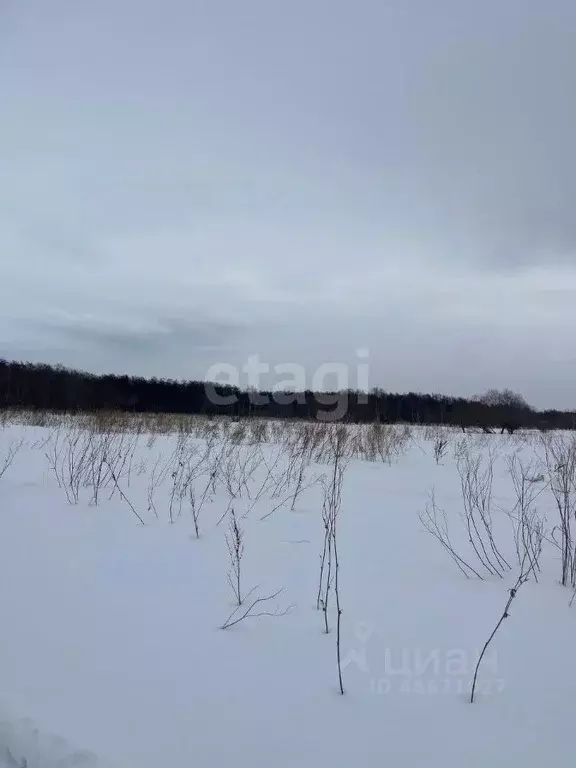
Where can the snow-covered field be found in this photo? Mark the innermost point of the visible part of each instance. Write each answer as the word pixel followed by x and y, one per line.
pixel 111 629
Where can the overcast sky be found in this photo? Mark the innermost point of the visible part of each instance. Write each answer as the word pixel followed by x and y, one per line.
pixel 188 182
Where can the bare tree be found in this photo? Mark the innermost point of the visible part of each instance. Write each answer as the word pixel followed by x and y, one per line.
pixel 503 398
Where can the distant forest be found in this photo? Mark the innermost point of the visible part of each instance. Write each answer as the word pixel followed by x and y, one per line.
pixel 55 388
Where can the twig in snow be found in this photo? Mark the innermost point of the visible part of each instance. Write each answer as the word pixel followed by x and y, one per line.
pixel 249 612
pixel 522 579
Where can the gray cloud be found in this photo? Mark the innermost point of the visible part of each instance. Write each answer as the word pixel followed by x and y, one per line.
pixel 129 345
pixel 168 331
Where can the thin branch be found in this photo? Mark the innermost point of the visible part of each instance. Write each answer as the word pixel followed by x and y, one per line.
pixel 248 612
pixel 522 579
pixel 121 492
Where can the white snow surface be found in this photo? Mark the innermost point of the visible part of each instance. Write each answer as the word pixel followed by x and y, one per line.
pixel 111 632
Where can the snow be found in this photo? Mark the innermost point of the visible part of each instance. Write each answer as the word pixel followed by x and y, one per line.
pixel 111 633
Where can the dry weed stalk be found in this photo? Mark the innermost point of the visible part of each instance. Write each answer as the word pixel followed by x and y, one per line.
pixel 329 559
pixel 14 448
pixel 440 448
pixel 235 544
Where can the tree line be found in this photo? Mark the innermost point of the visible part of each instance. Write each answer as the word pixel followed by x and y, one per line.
pixel 56 388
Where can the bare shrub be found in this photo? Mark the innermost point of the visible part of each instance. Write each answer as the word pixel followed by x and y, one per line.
pixel 257 431
pixel 440 448
pixel 69 457
pixel 560 460
pixel 182 456
pixel 528 525
pixel 383 441
pixel 435 521
pixel 484 557
pixel 476 471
